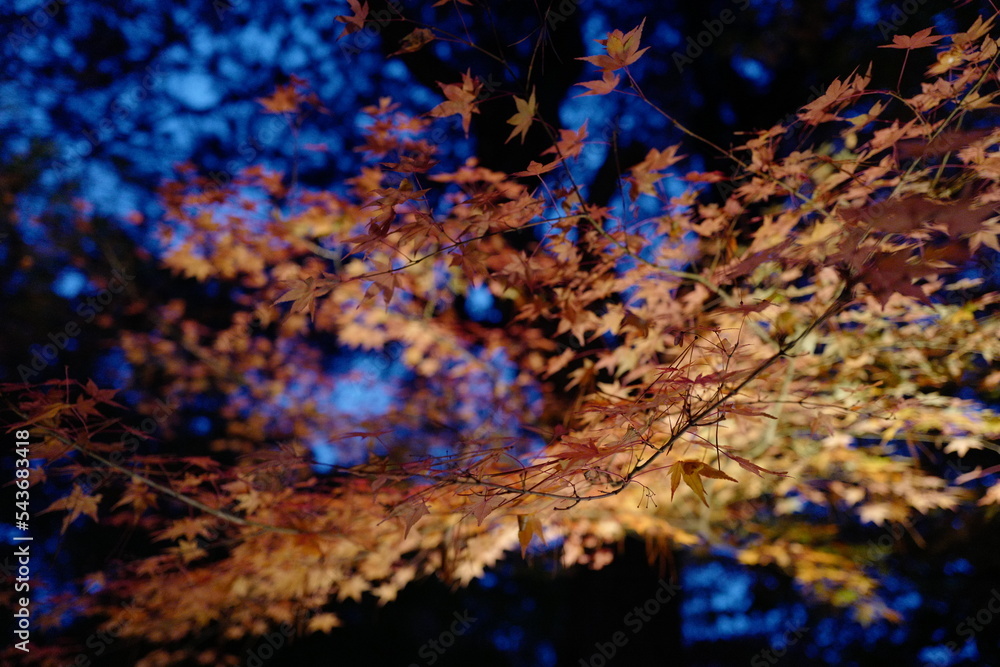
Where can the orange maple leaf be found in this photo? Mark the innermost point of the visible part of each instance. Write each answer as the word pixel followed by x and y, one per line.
pixel 537 168
pixel 527 526
pixel 570 142
pixel 284 100
pixel 916 41
pixel 608 83
pixel 461 100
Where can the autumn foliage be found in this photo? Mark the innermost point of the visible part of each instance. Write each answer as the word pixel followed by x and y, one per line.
pixel 786 338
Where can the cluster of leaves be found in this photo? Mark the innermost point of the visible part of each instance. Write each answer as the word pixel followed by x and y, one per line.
pixel 793 340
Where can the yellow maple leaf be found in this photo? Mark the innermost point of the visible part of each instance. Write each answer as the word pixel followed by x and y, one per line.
pixel 522 119
pixel 692 472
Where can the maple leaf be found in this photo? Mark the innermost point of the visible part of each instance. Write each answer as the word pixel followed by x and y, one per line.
pixel 978 29
pixel 522 119
pixel 77 504
pixel 891 273
pixel 461 100
pixel 410 511
pixel 323 622
pixel 305 293
pixel 692 472
pixel 645 174
pixel 916 41
pixel 570 142
pixel 356 21
pixel 607 83
pixel 139 496
pixel 527 526
pixel 352 588
pixel 285 99
pixel 622 49
pixel 537 168
pixel 415 41
pixel 750 466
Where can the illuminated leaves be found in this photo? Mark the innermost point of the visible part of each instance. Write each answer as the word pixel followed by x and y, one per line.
pixel 570 143
pixel 692 472
pixel 637 346
pixel 528 526
pixel 526 110
pixel 410 512
pixel 305 293
pixel 622 49
pixel 609 81
pixel 78 503
pixel 356 20
pixel 461 100
pixel 916 41
pixel 415 41
pixel 283 100
pixel 645 175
